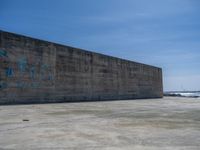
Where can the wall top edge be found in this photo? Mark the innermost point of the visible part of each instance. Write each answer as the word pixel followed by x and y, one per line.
pixel 66 46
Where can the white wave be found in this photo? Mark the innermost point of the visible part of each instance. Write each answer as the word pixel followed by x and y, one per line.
pixel 188 94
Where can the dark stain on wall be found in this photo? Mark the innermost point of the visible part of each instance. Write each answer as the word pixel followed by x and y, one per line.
pixel 36 71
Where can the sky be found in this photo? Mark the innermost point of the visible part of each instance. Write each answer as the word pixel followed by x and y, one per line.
pixel 163 33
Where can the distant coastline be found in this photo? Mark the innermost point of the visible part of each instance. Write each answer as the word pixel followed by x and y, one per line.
pixel 191 94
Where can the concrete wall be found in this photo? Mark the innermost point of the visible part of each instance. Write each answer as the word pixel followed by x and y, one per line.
pixel 36 71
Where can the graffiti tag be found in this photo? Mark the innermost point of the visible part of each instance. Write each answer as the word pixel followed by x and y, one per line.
pixel 9 72
pixel 3 53
pixel 22 64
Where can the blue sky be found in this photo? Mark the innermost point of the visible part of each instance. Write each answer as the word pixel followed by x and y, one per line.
pixel 164 33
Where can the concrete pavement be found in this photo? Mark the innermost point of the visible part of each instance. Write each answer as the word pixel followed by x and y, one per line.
pixel 169 123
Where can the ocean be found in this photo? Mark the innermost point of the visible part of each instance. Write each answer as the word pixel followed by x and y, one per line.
pixel 194 94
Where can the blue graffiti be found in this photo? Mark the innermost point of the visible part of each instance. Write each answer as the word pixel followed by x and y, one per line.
pixel 44 70
pixel 3 85
pixel 9 72
pixel 3 53
pixel 21 84
pixel 50 77
pixel 32 72
pixel 44 66
pixel 35 85
pixel 22 64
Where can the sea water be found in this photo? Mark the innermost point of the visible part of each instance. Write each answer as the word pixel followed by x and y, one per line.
pixel 185 93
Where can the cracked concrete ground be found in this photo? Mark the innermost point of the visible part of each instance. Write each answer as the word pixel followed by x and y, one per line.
pixel 169 123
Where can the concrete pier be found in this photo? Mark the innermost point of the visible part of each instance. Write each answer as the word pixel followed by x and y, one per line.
pixel 169 124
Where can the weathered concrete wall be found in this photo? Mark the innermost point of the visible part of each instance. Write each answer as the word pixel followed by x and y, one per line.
pixel 36 71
